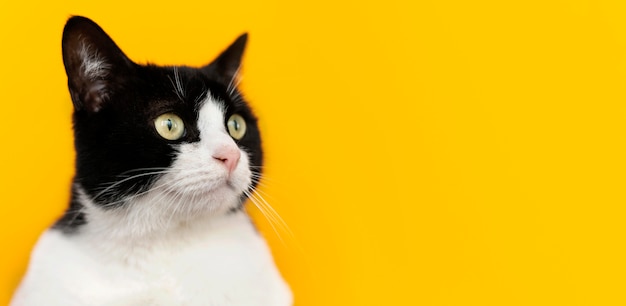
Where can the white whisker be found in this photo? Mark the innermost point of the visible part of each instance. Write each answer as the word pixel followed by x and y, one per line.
pixel 180 91
pixel 110 187
pixel 281 221
pixel 266 214
pixel 234 82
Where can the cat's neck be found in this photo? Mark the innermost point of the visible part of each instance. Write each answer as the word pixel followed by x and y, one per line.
pixel 130 232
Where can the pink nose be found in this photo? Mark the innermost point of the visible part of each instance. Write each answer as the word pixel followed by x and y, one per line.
pixel 229 155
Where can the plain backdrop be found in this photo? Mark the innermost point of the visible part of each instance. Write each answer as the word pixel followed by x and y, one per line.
pixel 420 152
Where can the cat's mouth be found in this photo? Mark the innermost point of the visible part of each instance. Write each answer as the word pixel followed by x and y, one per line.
pixel 210 184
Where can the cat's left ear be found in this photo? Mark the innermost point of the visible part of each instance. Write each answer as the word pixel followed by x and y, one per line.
pixel 226 66
pixel 95 65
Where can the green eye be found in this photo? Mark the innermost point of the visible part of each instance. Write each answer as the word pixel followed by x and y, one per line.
pixel 169 126
pixel 236 126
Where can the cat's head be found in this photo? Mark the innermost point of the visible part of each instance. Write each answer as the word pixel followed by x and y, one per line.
pixel 170 142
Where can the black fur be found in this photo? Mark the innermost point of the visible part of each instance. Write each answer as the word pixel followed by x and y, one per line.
pixel 114 114
pixel 73 217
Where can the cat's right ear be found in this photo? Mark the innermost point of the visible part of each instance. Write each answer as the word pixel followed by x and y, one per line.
pixel 94 64
pixel 226 66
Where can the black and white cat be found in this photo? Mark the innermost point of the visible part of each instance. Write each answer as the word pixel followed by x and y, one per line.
pixel 165 158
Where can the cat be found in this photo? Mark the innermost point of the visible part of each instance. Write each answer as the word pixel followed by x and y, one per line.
pixel 166 156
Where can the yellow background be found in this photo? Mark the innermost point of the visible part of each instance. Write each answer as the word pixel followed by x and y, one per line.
pixel 421 152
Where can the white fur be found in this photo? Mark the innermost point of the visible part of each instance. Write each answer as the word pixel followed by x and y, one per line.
pixel 173 245
pixel 93 65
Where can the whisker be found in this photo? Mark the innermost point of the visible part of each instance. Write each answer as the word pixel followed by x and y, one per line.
pixel 145 169
pixel 258 182
pixel 180 91
pixel 136 195
pixel 280 220
pixel 234 82
pixel 259 175
pixel 200 97
pixel 264 193
pixel 267 216
pixel 126 180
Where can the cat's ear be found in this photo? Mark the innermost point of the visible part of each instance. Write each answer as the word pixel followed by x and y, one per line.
pixel 226 66
pixel 94 64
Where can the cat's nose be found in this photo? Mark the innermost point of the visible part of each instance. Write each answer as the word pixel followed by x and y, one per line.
pixel 229 155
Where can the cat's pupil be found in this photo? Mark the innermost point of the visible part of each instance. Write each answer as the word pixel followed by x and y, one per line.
pixel 236 125
pixel 169 124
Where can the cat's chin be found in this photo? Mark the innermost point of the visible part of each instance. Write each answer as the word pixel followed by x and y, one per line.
pixel 158 212
pixel 210 197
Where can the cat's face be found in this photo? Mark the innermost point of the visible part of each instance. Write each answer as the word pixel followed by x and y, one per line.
pixel 167 141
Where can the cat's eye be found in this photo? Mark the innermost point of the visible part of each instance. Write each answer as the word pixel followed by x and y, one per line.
pixel 236 126
pixel 170 126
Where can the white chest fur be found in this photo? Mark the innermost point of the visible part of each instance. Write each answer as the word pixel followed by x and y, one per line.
pixel 221 262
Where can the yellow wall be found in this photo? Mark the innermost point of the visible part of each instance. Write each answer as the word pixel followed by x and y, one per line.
pixel 422 152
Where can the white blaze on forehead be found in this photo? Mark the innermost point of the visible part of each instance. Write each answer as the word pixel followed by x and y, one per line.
pixel 211 116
